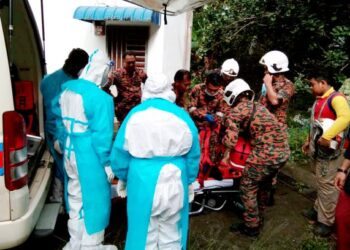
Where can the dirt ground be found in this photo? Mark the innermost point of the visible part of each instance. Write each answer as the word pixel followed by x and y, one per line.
pixel 284 228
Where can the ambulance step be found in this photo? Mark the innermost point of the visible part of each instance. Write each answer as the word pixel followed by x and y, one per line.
pixel 47 221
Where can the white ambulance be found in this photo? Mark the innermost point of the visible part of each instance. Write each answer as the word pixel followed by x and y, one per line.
pixel 25 164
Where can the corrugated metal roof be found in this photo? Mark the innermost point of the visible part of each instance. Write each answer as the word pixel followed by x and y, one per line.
pixel 125 14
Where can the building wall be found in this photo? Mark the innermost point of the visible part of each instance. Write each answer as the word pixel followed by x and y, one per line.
pixel 177 43
pixel 63 33
pixel 168 46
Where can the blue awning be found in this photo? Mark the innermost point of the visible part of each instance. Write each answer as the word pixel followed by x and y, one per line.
pixel 125 14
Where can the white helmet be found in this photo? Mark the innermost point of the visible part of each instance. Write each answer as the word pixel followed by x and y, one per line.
pixel 234 89
pixel 230 67
pixel 275 61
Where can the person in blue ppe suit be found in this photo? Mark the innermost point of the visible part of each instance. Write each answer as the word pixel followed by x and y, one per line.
pixel 156 157
pixel 85 135
pixel 50 88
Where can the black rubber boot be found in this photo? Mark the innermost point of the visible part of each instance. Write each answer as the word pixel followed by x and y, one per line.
pixel 310 214
pixel 323 230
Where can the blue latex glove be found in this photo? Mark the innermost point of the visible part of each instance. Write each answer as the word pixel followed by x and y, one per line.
pixel 111 64
pixel 209 118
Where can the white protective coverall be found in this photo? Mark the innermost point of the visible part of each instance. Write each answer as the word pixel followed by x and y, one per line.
pixel 157 153
pixel 86 131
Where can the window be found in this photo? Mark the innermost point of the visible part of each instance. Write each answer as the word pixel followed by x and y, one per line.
pixel 125 38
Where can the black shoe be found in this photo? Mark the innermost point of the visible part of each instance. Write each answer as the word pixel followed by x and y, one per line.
pixel 243 229
pixel 322 230
pixel 310 214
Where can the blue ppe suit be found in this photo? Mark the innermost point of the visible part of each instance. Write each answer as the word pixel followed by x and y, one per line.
pixel 90 139
pixel 50 89
pixel 141 173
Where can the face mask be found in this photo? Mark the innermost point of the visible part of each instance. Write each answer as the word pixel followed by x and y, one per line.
pixel 104 79
pixel 211 94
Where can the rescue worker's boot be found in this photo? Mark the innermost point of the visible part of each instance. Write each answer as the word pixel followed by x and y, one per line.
pixel 310 214
pixel 75 229
pixel 322 230
pixel 94 242
pixel 243 229
pixel 271 198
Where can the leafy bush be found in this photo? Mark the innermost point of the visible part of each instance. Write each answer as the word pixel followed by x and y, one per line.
pixel 299 118
pixel 313 242
pixel 312 33
pixel 298 130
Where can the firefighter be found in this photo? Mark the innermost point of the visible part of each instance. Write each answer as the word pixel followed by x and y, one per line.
pixel 269 151
pixel 229 71
pixel 276 94
pixel 182 82
pixel 127 81
pixel 206 110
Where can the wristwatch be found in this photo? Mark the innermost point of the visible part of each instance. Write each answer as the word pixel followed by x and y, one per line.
pixel 342 170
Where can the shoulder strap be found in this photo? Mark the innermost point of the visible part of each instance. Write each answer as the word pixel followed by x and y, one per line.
pixel 330 99
pixel 329 104
pixel 246 130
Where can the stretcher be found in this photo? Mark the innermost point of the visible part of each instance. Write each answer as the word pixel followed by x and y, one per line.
pixel 214 193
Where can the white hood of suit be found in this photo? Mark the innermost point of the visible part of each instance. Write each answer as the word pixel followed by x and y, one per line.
pixel 158 86
pixel 97 68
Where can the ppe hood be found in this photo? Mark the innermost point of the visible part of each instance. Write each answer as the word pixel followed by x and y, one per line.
pixel 173 7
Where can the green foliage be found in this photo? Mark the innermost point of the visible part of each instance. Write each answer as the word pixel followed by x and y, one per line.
pixel 297 134
pixel 312 33
pixel 297 138
pixel 302 99
pixel 195 80
pixel 299 117
pixel 313 242
pixel 336 56
pixel 301 86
